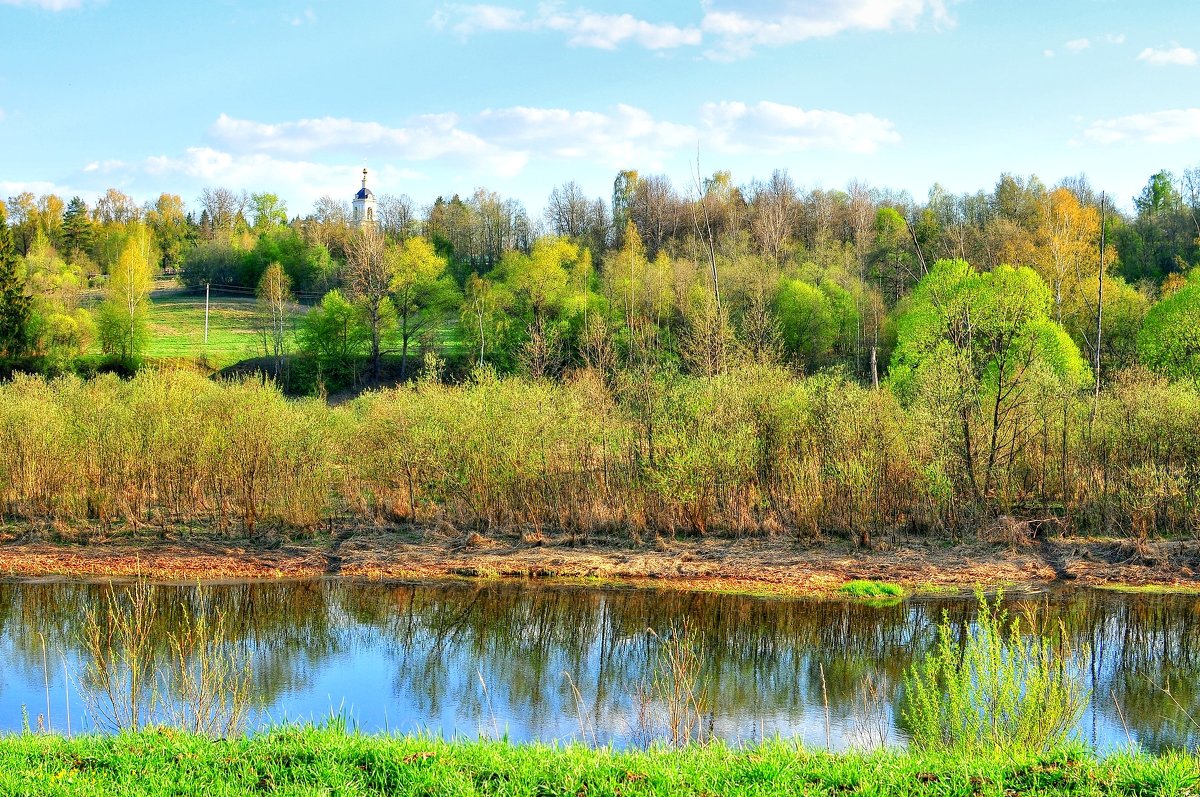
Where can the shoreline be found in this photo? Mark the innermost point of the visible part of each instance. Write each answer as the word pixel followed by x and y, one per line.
pixel 765 566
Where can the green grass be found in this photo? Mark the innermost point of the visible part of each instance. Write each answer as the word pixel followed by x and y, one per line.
pixel 310 760
pixel 1151 589
pixel 176 330
pixel 871 589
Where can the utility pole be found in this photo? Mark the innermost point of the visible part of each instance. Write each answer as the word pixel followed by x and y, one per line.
pixel 206 288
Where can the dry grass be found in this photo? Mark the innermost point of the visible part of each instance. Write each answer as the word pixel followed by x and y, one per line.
pixel 766 566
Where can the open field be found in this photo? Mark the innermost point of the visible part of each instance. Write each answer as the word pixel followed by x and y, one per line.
pixel 176 329
pixel 307 760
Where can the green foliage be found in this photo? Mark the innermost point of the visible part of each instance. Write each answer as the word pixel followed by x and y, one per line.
pixel 871 589
pixel 1162 240
pixel 76 228
pixel 336 336
pixel 124 314
pixel 15 305
pixel 308 266
pixel 268 211
pixel 987 327
pixel 995 693
pixel 1169 341
pixel 422 291
pixel 1123 312
pixel 212 261
pixel 977 350
pixel 750 451
pixel 806 321
pixel 487 327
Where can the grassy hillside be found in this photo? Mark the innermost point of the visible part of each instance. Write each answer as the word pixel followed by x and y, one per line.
pixel 176 329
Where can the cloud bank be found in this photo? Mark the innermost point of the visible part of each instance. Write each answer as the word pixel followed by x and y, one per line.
pixel 1159 127
pixel 728 29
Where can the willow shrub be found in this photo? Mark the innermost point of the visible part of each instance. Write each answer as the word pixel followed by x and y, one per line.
pixel 162 447
pixel 997 693
pixel 752 451
pixel 493 452
pixel 1139 462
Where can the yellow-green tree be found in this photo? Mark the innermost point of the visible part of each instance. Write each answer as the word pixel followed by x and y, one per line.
pixel 422 291
pixel 274 296
pixel 126 307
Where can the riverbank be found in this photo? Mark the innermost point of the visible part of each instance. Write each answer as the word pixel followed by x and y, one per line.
pixel 772 565
pixel 308 760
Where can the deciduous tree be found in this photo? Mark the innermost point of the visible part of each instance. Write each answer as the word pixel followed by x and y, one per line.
pixel 126 307
pixel 421 291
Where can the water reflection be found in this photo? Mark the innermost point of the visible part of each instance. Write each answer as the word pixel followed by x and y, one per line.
pixel 504 658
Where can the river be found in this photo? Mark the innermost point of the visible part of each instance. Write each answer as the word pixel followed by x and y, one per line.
pixel 535 662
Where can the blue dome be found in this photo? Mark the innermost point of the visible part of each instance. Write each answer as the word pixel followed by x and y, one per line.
pixel 364 193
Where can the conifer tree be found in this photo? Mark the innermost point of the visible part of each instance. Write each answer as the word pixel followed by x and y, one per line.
pixel 15 305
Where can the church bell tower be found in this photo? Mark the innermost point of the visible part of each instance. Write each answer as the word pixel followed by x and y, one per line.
pixel 364 205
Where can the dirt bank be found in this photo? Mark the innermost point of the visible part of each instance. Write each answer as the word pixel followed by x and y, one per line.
pixel 780 566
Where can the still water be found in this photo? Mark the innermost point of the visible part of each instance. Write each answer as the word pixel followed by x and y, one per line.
pixel 568 663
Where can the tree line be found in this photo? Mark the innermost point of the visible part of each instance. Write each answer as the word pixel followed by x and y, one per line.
pixel 745 359
pixel 652 277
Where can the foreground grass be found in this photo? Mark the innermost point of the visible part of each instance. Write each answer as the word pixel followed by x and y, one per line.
pixel 327 761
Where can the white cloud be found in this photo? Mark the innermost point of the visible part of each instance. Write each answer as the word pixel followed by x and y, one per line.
pixel 424 138
pixel 607 31
pixel 502 141
pixel 307 158
pixel 1114 38
pixel 1159 127
pixel 733 29
pixel 740 28
pixel 105 167
pixel 1078 45
pixel 308 17
pixel 582 28
pixel 466 20
pixel 1047 53
pixel 45 5
pixel 1174 55
pixel 205 166
pixel 617 137
pixel 773 128
pixel 14 187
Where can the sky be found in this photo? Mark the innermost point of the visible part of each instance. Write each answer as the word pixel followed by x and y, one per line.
pixel 296 97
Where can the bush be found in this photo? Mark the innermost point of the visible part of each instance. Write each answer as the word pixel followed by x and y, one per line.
pixel 998 693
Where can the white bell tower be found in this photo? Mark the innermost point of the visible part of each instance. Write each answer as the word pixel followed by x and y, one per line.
pixel 364 205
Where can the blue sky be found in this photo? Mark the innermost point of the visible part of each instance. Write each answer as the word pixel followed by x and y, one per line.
pixel 518 97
